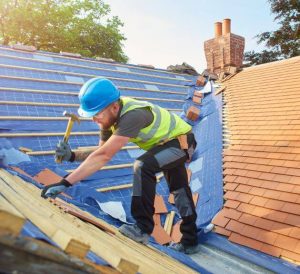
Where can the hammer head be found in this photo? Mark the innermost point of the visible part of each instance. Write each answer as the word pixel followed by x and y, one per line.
pixel 72 116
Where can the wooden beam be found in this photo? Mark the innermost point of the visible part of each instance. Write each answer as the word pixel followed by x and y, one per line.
pixel 111 188
pixel 75 94
pixel 25 149
pixel 169 222
pixel 39 220
pixel 22 103
pixel 91 147
pixel 124 186
pixel 70 245
pixel 27 255
pixel 11 220
pixel 83 75
pixel 47 134
pixel 102 244
pixel 77 84
pixel 52 152
pixel 35 118
pixel 97 68
pixel 110 167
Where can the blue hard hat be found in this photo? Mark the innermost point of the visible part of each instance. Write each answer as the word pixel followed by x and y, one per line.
pixel 95 95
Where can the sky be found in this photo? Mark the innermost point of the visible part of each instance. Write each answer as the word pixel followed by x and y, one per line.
pixel 170 32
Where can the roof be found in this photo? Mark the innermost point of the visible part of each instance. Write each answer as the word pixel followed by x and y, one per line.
pixel 35 89
pixel 261 159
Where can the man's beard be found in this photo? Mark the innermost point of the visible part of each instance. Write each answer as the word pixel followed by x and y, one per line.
pixel 111 122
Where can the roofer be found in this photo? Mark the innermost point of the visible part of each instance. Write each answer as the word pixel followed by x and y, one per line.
pixel 167 140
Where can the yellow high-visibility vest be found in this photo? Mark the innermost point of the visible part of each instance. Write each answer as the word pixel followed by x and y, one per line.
pixel 165 125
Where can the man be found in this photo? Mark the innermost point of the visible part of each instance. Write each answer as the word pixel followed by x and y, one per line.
pixel 168 142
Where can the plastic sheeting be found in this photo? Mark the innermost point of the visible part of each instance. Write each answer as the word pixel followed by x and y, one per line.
pixel 206 164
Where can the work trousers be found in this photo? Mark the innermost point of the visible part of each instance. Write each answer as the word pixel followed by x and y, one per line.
pixel 170 159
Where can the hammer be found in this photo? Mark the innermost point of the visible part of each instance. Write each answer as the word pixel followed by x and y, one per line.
pixel 72 118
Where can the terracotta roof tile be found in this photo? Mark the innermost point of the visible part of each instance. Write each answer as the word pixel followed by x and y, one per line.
pixel 235 226
pixel 291 255
pixel 231 204
pixel 230 186
pixel 291 219
pixel 267 237
pixel 231 195
pixel 257 191
pixel 264 224
pixel 222 231
pixel 291 208
pixel 277 216
pixel 248 219
pixel 250 231
pixel 274 204
pixel 243 188
pixel 246 208
pixel 295 232
pixel 236 238
pixel 160 235
pixel 271 250
pixel 231 213
pixel 229 178
pixel 289 197
pixel 245 198
pixel 47 177
pixel 259 201
pixel 159 205
pixel 242 180
pixel 220 220
pixel 286 187
pixel 176 234
pixel 286 243
pixel 269 185
pixel 272 194
pixel 296 189
pixel 262 160
pixel 261 212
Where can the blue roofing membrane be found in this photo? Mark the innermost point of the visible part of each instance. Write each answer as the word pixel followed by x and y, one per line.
pixel 40 77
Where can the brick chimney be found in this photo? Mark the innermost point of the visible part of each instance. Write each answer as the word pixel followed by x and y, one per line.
pixel 225 50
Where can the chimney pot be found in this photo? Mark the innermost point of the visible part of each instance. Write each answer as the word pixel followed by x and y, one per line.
pixel 218 29
pixel 226 26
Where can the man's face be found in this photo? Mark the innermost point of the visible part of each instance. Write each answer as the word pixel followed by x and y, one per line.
pixel 107 117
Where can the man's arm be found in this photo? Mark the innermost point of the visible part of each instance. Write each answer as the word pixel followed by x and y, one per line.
pixel 80 156
pixel 97 159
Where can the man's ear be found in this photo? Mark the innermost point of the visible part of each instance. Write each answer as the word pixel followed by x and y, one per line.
pixel 116 107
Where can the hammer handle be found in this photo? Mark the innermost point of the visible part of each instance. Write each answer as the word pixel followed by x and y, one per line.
pixel 66 137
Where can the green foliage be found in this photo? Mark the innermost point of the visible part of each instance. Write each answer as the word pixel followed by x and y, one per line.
pixel 284 42
pixel 79 26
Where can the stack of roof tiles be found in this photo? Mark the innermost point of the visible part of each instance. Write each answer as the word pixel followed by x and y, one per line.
pixel 262 159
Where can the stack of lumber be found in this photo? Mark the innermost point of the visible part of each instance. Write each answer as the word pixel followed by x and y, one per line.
pixel 20 201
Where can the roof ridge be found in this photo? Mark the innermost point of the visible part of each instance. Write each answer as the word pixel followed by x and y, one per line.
pixel 279 62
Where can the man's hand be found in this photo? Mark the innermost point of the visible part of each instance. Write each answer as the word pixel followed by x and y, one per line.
pixel 64 151
pixel 52 191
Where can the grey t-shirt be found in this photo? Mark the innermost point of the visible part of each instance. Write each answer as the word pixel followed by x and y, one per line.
pixel 130 124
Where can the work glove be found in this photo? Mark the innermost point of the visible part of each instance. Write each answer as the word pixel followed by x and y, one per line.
pixel 51 191
pixel 63 150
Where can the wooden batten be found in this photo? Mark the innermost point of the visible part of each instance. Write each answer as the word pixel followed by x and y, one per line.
pixel 50 219
pixel 70 245
pixel 11 220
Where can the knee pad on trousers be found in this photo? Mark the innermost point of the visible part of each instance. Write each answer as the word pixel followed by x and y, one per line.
pixel 137 178
pixel 183 203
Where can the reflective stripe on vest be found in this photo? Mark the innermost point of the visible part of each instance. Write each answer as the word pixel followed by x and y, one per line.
pixel 165 125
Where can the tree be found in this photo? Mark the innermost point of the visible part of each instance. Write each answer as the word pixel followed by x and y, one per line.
pixel 284 42
pixel 79 26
